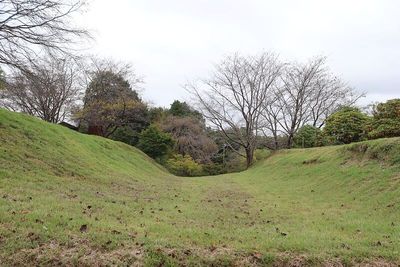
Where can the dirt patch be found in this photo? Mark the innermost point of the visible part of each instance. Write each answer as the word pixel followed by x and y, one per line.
pixel 226 257
pixel 80 253
pixel 303 260
pixel 377 263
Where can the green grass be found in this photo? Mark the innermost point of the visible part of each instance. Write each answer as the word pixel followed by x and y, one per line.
pixel 309 206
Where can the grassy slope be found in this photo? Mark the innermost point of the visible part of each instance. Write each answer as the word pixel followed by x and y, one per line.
pixel 331 204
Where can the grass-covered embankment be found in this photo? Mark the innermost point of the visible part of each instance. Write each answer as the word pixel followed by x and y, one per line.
pixel 70 198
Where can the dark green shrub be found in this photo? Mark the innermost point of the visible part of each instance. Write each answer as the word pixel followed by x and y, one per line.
pixel 386 120
pixel 308 136
pixel 126 134
pixel 346 125
pixel 213 169
pixel 155 142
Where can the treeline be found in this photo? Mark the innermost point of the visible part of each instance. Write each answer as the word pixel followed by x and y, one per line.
pixel 101 97
pixel 351 124
pixel 250 104
pixel 176 137
pixel 249 97
pixel 259 99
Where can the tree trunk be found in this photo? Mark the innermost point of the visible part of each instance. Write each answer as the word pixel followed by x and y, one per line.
pixel 95 130
pixel 290 141
pixel 249 157
pixel 276 144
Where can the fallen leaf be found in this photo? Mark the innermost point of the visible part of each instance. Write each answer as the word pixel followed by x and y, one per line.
pixel 83 228
pixel 257 255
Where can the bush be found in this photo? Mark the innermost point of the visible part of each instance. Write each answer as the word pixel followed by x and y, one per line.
pixel 346 125
pixel 125 134
pixel 183 166
pixel 261 154
pixel 308 136
pixel 155 142
pixel 386 120
pixel 213 169
pixel 381 128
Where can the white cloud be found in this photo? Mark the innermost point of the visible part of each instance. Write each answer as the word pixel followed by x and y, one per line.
pixel 169 42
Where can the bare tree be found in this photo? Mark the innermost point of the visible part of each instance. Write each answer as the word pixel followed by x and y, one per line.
pixel 329 94
pixel 307 94
pixel 232 99
pixel 271 116
pixel 46 90
pixel 2 79
pixel 294 97
pixel 29 27
pixel 93 65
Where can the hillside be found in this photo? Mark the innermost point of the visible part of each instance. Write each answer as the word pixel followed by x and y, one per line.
pixel 73 199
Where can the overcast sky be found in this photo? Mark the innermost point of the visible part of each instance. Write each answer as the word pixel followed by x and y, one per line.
pixel 171 42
